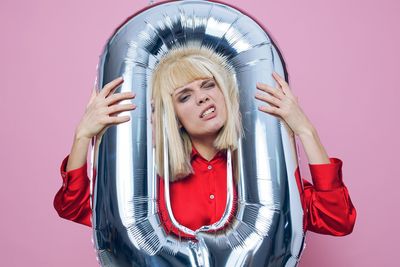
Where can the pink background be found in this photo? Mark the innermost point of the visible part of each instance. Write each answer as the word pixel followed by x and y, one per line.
pixel 343 59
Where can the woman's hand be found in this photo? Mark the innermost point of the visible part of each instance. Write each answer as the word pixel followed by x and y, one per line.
pixel 102 110
pixel 284 105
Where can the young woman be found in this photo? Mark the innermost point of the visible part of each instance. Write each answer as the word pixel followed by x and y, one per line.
pixel 197 92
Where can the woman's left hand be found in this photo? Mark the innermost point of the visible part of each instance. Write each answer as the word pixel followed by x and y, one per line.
pixel 284 105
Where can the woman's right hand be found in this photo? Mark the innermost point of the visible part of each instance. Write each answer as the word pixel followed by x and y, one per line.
pixel 102 110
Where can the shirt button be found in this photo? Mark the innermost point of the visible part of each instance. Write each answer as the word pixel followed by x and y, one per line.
pixel 209 167
pixel 212 196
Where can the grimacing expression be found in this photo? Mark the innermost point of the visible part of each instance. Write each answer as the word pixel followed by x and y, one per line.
pixel 200 108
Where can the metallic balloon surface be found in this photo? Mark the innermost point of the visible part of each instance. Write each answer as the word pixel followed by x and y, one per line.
pixel 268 226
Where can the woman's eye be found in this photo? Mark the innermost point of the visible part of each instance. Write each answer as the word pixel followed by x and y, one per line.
pixel 184 98
pixel 209 85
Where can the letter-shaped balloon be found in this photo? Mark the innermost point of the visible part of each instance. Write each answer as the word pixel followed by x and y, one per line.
pixel 267 229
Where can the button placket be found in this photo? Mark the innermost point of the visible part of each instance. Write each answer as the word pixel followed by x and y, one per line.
pixel 211 194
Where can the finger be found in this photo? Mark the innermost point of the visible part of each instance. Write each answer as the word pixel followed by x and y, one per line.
pixel 115 98
pixel 116 109
pixel 269 89
pixel 92 96
pixel 111 86
pixel 269 99
pixel 117 120
pixel 270 110
pixel 279 79
pixel 282 83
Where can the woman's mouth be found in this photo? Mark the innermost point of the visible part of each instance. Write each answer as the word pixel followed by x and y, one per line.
pixel 207 112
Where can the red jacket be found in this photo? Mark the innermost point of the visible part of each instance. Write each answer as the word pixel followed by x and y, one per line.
pixel 200 198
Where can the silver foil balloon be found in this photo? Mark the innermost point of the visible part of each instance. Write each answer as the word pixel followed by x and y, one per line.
pixel 268 226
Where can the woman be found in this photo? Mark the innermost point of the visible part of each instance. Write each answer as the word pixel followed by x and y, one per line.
pixel 196 90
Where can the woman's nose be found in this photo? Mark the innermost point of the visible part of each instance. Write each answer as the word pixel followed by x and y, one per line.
pixel 202 99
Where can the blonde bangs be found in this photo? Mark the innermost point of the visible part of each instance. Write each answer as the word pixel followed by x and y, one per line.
pixel 183 72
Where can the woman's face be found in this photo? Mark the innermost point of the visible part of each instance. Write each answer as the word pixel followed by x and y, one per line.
pixel 200 108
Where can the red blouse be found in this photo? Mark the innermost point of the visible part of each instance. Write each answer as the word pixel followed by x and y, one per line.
pixel 200 198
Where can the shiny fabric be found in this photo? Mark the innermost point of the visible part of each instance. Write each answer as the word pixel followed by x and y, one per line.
pixel 326 203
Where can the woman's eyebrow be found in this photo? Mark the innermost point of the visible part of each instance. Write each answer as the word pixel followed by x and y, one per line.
pixel 186 89
pixel 206 81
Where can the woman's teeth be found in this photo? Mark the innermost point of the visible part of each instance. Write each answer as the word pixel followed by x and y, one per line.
pixel 208 111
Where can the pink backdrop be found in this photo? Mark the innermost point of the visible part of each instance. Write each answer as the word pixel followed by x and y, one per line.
pixel 343 60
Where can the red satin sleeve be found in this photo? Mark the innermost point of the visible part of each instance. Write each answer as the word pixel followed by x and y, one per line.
pixel 326 203
pixel 72 201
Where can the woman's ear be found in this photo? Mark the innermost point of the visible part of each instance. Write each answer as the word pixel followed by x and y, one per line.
pixel 178 122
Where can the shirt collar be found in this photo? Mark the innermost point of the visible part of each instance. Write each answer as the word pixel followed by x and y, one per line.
pixel 195 153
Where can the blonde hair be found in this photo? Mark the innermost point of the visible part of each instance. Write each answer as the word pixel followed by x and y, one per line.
pixel 177 68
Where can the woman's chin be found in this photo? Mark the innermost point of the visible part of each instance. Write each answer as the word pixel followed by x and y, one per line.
pixel 210 131
pixel 214 131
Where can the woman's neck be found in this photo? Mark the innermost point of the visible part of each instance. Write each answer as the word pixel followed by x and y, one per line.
pixel 205 147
